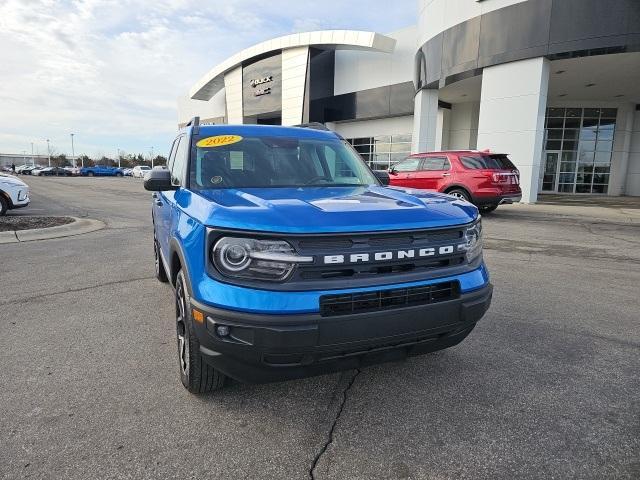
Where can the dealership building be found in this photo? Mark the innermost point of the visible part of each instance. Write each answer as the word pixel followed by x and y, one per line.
pixel 554 83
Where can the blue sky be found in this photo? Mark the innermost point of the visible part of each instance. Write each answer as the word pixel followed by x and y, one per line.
pixel 110 70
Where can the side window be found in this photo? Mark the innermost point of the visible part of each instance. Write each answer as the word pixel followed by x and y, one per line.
pixel 435 163
pixel 177 167
pixel 172 153
pixel 473 163
pixel 408 165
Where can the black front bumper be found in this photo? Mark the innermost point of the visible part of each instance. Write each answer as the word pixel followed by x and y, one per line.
pixel 267 348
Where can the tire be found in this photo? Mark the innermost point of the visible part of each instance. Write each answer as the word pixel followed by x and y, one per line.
pixel 488 208
pixel 4 206
pixel 118 174
pixel 460 193
pixel 161 273
pixel 196 375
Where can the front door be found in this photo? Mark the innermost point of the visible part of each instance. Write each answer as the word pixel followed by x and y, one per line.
pixel 434 173
pixel 403 174
pixel 551 171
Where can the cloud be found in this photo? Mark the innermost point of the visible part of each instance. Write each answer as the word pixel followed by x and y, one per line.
pixel 110 70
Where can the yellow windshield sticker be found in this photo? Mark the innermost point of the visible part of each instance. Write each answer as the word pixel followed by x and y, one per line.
pixel 218 141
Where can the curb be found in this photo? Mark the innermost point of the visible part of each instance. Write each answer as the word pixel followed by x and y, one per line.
pixel 79 226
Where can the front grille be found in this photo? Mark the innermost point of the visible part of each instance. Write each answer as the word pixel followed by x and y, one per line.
pixel 355 243
pixel 363 272
pixel 349 303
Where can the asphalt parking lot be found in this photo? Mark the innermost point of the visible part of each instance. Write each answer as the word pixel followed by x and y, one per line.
pixel 547 385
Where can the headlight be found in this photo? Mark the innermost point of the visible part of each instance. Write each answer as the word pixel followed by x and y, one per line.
pixel 472 241
pixel 255 259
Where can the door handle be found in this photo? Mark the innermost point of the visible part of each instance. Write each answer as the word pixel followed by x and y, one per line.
pixel 158 202
pixel 446 174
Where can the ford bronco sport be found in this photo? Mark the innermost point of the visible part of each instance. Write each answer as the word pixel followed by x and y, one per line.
pixel 289 258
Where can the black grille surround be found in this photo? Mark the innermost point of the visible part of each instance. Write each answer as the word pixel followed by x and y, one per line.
pixel 321 276
pixel 363 302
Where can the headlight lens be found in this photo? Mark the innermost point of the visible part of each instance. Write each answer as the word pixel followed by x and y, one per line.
pixel 473 241
pixel 255 259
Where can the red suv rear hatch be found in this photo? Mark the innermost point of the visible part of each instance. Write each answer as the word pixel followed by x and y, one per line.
pixel 498 170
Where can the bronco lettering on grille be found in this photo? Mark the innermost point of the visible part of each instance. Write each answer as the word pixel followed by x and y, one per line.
pixel 389 255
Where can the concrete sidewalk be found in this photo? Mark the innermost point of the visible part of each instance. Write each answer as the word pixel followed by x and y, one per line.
pixel 598 208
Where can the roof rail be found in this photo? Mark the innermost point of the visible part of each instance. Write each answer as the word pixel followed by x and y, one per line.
pixel 314 126
pixel 195 123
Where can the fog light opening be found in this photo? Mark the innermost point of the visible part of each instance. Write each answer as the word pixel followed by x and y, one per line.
pixel 222 330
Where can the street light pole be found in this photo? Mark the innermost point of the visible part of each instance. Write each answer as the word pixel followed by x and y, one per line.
pixel 33 162
pixel 49 152
pixel 118 150
pixel 73 153
pixel 151 157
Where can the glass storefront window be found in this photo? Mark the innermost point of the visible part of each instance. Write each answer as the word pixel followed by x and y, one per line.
pixel 384 150
pixel 555 134
pixel 555 123
pixel 588 134
pixel 570 134
pixel 572 123
pixel 604 146
pixel 582 140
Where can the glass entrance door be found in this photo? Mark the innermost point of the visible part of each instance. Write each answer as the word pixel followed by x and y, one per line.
pixel 551 171
pixel 582 138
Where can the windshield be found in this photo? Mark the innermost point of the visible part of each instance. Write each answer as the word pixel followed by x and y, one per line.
pixel 233 161
pixel 487 162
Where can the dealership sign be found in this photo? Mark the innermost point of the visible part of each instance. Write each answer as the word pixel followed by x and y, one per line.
pixel 260 81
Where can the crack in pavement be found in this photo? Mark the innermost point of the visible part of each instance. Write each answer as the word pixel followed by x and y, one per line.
pixel 329 440
pixel 74 290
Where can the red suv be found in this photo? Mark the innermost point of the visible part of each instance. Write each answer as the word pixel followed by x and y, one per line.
pixel 483 178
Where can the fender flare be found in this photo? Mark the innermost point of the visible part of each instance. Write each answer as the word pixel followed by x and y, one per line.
pixel 175 247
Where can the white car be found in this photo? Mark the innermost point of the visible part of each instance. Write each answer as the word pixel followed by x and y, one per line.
pixel 14 193
pixel 24 169
pixel 40 170
pixel 140 170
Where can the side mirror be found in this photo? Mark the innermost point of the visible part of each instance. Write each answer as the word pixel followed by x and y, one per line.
pixel 392 171
pixel 158 181
pixel 382 176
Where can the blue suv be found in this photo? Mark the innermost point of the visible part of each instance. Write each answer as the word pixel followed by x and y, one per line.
pixel 288 257
pixel 101 171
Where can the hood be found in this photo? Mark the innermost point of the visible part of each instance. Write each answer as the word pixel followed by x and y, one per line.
pixel 326 209
pixel 11 180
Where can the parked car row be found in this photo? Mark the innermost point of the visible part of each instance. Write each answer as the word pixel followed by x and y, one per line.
pixel 95 171
pixel 39 170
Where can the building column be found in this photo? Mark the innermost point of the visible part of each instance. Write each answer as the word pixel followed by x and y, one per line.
pixel 621 149
pixel 512 108
pixel 442 129
pixel 294 76
pixel 633 165
pixel 463 132
pixel 233 93
pixel 425 121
